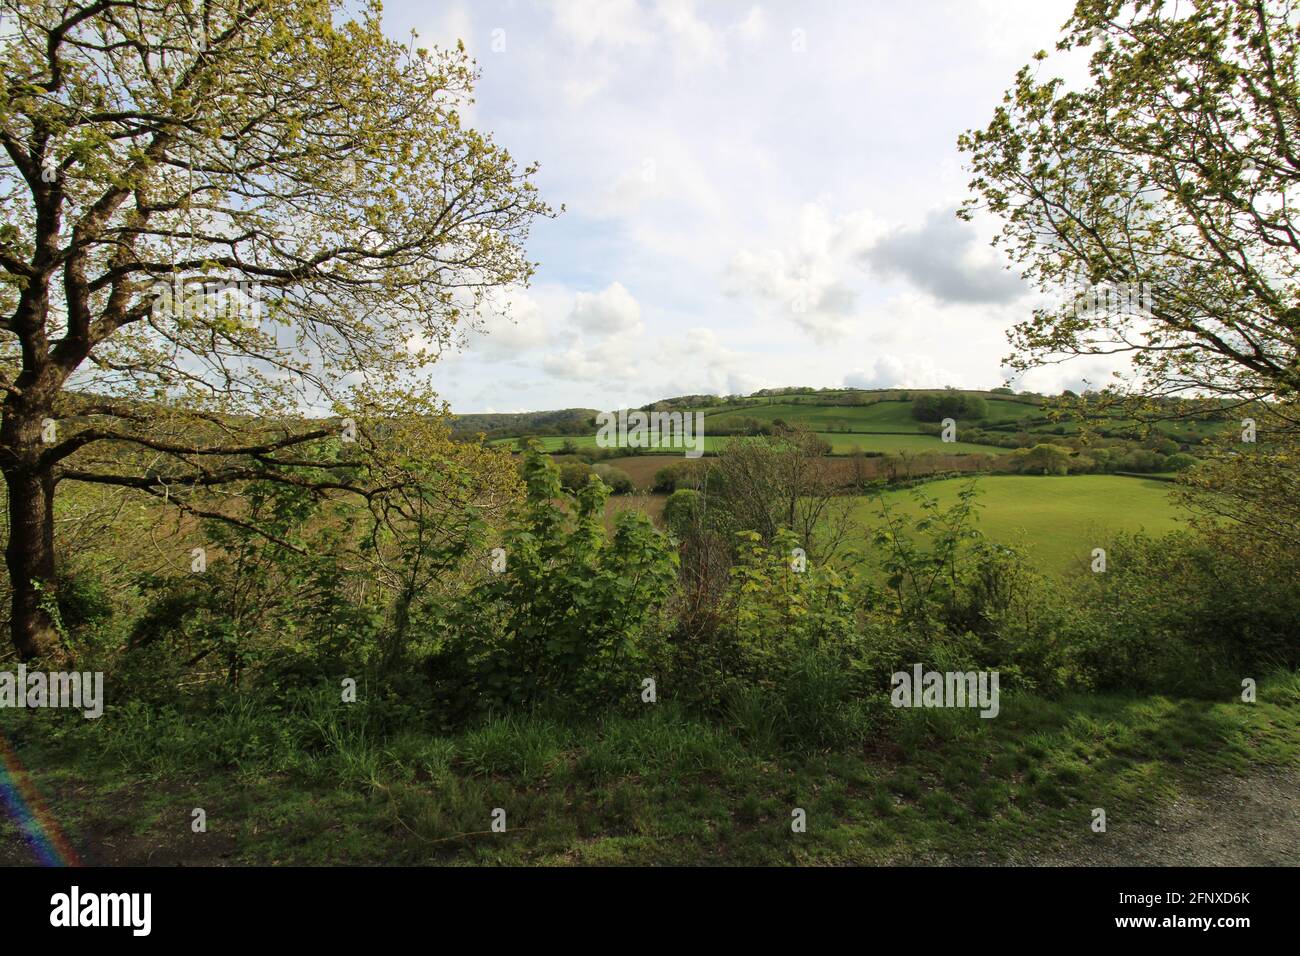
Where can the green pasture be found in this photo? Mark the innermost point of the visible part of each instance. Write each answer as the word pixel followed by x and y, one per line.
pixel 841 443
pixel 1057 521
pixel 878 417
pixel 846 444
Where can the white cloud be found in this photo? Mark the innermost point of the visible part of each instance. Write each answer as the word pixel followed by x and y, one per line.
pixel 900 371
pixel 695 41
pixel 629 366
pixel 753 28
pixel 943 256
pixel 579 365
pixel 1085 373
pixel 519 324
pixel 600 330
pixel 697 362
pixel 588 23
pixel 658 179
pixel 611 311
pixel 733 188
pixel 812 282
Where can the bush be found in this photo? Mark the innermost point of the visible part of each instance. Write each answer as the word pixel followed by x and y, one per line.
pixel 683 512
pixel 569 620
pixel 1178 614
pixel 682 474
pixel 1141 460
pixel 736 425
pixel 791 652
pixel 618 480
pixel 575 475
pixel 768 612
pixel 1042 460
pixel 84 601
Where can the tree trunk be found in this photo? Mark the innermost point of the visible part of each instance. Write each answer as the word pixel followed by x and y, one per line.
pixel 29 554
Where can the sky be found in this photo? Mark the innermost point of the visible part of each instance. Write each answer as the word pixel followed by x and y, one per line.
pixel 756 195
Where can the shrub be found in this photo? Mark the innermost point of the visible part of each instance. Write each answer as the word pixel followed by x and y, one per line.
pixel 571 616
pixel 574 475
pixel 1042 460
pixel 736 425
pixel 1179 614
pixel 770 609
pixel 683 512
pixel 682 474
pixel 618 480
pixel 84 600
pixel 1140 459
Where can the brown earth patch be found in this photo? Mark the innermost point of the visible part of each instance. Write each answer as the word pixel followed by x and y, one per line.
pixel 642 468
pixel 652 505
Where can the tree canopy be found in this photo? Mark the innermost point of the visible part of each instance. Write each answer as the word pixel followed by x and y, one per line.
pixel 219 214
pixel 1173 175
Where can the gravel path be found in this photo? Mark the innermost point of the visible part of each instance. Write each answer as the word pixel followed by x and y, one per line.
pixel 1229 821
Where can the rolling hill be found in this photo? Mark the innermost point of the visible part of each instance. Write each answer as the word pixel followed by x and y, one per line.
pixel 875 422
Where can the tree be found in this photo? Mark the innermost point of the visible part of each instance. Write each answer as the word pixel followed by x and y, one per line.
pixel 1171 177
pixel 430 502
pixel 1043 459
pixel 574 475
pixel 858 469
pixel 619 481
pixel 683 512
pixel 935 407
pixel 564 619
pixel 787 481
pixel 216 215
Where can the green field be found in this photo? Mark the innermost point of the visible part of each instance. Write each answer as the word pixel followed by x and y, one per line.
pixel 549 443
pixel 841 443
pixel 553 443
pixel 877 417
pixel 886 426
pixel 1057 521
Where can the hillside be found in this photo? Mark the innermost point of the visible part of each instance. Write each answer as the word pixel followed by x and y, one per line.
pixel 564 421
pixel 890 421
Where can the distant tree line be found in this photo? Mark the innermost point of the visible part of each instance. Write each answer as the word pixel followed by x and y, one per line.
pixel 935 407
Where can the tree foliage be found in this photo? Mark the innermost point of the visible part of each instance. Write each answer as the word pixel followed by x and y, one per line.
pixel 935 407
pixel 567 614
pixel 218 214
pixel 1174 173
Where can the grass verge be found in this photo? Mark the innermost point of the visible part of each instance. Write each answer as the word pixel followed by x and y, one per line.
pixel 319 785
